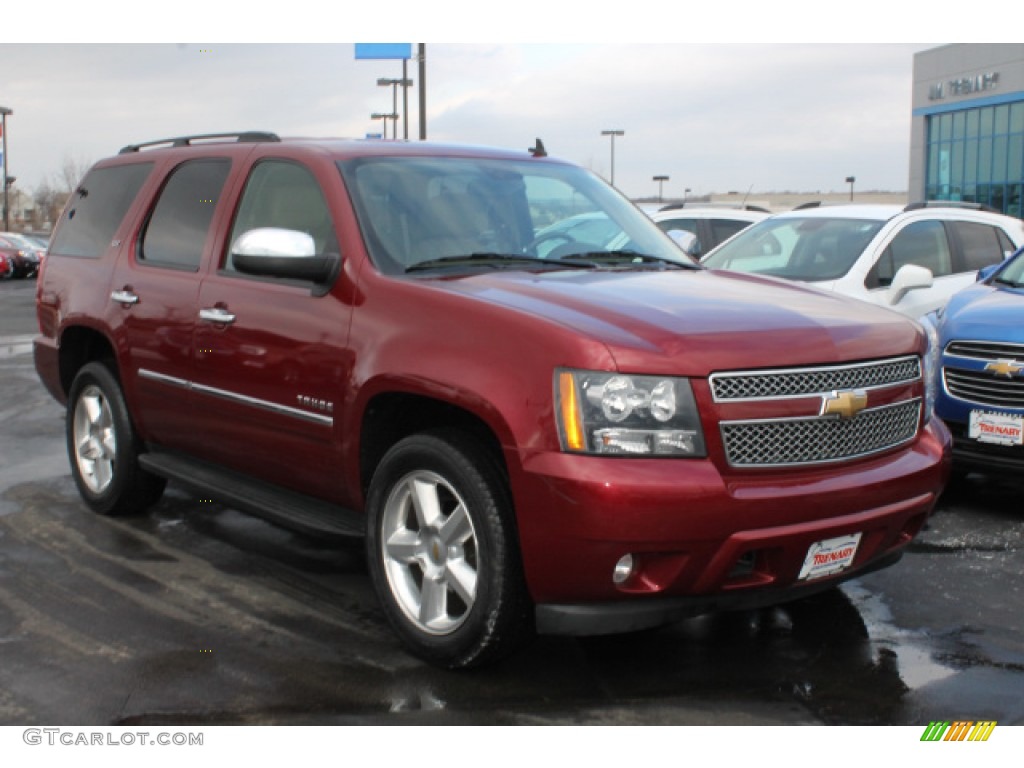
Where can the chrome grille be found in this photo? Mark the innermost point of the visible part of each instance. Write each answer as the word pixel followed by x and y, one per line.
pixel 986 350
pixel 816 440
pixel 801 382
pixel 984 388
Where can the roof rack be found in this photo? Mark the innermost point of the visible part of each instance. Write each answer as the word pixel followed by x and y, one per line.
pixel 723 206
pixel 951 204
pixel 244 137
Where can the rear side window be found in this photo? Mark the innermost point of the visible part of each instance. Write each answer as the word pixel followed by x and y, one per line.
pixel 981 244
pixel 176 232
pixel 97 208
pixel 723 229
pixel 922 243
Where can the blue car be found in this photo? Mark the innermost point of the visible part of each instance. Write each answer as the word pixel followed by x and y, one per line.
pixel 980 393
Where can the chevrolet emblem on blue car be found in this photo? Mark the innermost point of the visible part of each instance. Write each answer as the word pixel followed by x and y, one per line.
pixel 1007 368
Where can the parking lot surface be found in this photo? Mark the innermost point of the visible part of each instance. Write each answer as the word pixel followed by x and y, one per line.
pixel 195 613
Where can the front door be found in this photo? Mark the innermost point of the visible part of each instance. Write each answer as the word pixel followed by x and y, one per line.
pixel 271 360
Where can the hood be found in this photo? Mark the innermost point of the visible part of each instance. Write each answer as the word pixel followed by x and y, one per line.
pixel 985 312
pixel 700 321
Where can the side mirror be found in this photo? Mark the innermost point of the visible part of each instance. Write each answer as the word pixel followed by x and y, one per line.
pixel 986 272
pixel 687 241
pixel 908 278
pixel 287 253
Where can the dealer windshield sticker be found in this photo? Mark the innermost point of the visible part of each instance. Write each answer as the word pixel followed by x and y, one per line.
pixel 829 556
pixel 992 427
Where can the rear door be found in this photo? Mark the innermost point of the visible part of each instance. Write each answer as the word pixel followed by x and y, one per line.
pixel 156 288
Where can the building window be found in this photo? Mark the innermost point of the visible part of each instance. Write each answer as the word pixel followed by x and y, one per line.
pixel 977 155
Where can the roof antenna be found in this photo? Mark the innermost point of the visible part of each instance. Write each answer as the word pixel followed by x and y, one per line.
pixel 538 149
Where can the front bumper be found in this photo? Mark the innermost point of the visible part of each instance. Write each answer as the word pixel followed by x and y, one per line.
pixel 702 541
pixel 971 454
pixel 588 619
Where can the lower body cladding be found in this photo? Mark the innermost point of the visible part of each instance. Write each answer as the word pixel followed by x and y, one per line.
pixel 615 544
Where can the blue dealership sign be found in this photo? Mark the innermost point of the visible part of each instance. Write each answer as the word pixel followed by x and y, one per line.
pixel 383 50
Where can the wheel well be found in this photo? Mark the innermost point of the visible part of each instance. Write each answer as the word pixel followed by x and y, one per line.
pixel 391 417
pixel 79 346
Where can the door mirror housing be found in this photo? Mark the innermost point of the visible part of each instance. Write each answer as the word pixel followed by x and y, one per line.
pixel 908 278
pixel 986 272
pixel 286 253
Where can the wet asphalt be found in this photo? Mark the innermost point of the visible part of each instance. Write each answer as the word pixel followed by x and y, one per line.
pixel 197 614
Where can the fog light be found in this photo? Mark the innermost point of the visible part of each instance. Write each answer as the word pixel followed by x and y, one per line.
pixel 623 569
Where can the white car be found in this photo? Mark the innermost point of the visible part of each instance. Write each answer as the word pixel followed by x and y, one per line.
pixel 710 226
pixel 909 259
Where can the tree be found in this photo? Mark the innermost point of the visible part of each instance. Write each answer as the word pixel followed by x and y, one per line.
pixel 72 171
pixel 52 193
pixel 48 204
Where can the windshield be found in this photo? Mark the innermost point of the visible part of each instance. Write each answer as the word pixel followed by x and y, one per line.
pixel 1013 273
pixel 448 213
pixel 810 249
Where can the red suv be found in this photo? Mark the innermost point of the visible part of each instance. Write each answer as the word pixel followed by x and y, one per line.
pixel 362 338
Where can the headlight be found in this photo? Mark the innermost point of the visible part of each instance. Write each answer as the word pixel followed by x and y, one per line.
pixel 614 413
pixel 932 362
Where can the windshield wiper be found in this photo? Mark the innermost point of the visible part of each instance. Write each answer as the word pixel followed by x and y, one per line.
pixel 625 258
pixel 491 259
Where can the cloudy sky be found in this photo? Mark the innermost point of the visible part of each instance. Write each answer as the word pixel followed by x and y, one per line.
pixel 795 115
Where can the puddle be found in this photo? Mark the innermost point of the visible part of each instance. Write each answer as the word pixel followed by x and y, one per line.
pixel 916 662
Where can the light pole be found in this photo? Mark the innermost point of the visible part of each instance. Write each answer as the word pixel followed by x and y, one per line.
pixel 4 112
pixel 661 180
pixel 850 180
pixel 613 134
pixel 422 61
pixel 394 83
pixel 385 116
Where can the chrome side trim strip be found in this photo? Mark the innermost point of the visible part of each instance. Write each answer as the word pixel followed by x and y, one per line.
pixel 164 378
pixel 236 397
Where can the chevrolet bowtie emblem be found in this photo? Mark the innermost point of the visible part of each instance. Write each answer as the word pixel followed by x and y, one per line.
pixel 1007 368
pixel 845 405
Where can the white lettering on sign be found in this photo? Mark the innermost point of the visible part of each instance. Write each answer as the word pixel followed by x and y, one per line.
pixel 963 86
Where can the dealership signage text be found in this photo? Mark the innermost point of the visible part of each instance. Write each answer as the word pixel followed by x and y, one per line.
pixel 963 86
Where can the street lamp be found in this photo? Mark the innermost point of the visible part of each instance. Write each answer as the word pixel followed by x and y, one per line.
pixel 850 180
pixel 4 112
pixel 394 83
pixel 385 116
pixel 613 134
pixel 661 180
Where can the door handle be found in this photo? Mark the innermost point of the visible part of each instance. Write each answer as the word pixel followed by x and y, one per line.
pixel 216 315
pixel 125 297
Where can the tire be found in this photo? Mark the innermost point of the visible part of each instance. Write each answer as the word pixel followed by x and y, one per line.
pixel 443 553
pixel 103 447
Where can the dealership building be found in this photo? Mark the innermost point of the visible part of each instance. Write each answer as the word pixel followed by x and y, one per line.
pixel 967 134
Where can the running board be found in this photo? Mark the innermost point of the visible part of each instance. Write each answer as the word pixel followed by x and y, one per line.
pixel 285 508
